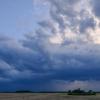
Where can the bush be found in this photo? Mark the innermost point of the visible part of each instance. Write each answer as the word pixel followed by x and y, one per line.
pixel 80 92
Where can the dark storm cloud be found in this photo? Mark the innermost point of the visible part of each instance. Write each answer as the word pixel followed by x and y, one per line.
pixel 13 58
pixel 27 62
pixel 19 59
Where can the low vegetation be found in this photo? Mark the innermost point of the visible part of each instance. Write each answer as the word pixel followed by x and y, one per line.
pixel 23 91
pixel 81 92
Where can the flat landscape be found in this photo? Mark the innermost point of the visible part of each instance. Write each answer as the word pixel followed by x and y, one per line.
pixel 45 96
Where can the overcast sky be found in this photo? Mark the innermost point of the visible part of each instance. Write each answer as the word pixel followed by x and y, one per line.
pixel 49 45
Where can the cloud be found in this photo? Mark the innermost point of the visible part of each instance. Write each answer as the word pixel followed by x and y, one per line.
pixel 67 21
pixel 70 85
pixel 13 58
pixel 64 48
pixel 96 7
pixel 4 79
pixel 86 24
pixel 37 60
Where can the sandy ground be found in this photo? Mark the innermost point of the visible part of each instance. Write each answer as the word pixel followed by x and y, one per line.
pixel 45 96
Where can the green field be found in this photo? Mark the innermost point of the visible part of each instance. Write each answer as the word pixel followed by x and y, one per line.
pixel 45 96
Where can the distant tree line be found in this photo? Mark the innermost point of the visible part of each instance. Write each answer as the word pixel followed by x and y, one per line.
pixel 81 92
pixel 23 91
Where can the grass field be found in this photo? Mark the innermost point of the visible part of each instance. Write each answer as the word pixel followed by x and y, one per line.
pixel 45 96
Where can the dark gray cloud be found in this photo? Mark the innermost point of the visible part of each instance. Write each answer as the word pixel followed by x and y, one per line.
pixel 60 9
pixel 48 25
pixel 30 60
pixel 86 24
pixel 96 7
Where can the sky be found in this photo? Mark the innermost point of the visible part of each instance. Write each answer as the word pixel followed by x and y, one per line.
pixel 49 45
pixel 16 17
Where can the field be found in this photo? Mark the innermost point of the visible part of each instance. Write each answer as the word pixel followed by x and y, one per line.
pixel 45 96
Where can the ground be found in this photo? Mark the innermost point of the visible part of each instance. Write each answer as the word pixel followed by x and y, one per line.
pixel 45 96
